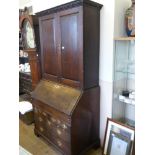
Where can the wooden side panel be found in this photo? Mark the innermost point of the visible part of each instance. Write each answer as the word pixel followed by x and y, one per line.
pixel 48 47
pixel 91 46
pixel 85 122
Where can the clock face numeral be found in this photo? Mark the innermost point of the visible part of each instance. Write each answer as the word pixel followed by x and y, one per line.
pixel 28 35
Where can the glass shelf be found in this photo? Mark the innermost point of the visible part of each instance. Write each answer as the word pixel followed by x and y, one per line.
pixel 124 71
pixel 126 100
pixel 123 108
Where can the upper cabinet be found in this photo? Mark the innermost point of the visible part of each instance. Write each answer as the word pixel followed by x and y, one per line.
pixel 70 44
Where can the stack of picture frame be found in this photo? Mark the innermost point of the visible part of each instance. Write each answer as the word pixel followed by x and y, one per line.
pixel 119 139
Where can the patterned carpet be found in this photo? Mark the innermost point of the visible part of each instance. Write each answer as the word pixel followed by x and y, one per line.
pixel 37 146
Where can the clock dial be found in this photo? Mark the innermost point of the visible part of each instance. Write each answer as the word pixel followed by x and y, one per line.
pixel 28 35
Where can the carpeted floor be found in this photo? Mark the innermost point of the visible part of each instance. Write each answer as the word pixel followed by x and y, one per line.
pixel 36 145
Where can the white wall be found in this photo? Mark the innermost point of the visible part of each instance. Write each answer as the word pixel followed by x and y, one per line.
pixel 23 3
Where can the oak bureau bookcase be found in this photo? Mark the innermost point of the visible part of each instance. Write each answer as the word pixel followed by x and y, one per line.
pixel 66 101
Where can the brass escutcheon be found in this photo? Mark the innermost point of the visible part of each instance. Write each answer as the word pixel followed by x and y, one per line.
pixel 41 129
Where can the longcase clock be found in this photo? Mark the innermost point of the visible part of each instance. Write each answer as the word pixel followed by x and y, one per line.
pixel 30 38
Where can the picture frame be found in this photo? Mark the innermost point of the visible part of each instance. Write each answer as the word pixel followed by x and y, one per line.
pixel 118 135
pixel 118 144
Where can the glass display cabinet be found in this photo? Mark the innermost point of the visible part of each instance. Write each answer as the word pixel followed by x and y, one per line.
pixel 123 108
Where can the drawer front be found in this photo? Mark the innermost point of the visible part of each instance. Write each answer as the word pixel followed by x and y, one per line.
pixel 54 129
pixel 62 145
pixel 58 129
pixel 55 114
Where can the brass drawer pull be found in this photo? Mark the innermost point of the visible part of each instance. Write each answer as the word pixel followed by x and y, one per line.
pixel 59 143
pixel 53 120
pixel 48 122
pixel 41 129
pixel 64 126
pixel 58 121
pixel 40 119
pixel 59 132
pixel 44 114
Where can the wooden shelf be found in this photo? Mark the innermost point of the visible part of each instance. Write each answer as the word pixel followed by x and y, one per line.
pixel 124 38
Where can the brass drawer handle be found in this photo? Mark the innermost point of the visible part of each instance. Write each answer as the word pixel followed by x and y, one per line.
pixel 44 114
pixel 64 126
pixel 53 120
pixel 58 121
pixel 59 132
pixel 40 119
pixel 59 143
pixel 41 129
pixel 48 122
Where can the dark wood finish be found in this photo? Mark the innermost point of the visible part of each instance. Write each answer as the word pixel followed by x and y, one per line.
pixel 85 122
pixel 66 100
pixel 35 67
pixel 70 55
pixel 91 46
pixel 70 5
pixel 49 55
pixel 61 97
pixel 72 134
pixel 25 83
pixel 69 21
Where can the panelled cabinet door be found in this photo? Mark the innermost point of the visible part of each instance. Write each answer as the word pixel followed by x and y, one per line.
pixel 49 53
pixel 71 49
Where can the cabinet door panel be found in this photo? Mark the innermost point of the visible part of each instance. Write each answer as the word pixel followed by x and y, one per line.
pixel 48 47
pixel 70 46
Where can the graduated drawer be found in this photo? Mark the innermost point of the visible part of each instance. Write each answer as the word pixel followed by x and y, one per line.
pixel 51 126
pixel 58 130
pixel 56 116
pixel 62 145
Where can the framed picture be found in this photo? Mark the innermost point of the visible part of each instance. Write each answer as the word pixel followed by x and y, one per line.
pixel 118 139
pixel 118 144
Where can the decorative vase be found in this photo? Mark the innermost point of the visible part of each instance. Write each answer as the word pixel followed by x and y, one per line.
pixel 130 20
